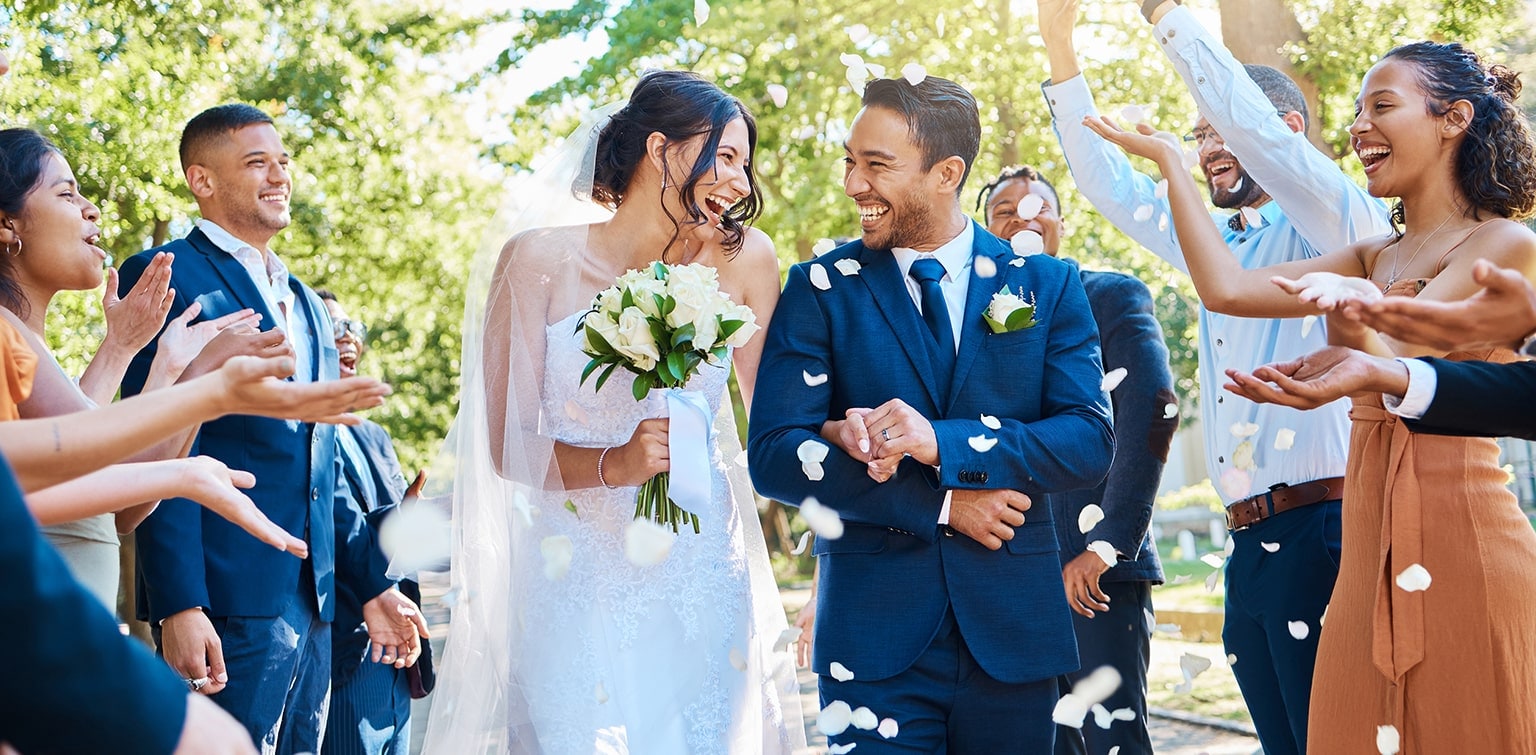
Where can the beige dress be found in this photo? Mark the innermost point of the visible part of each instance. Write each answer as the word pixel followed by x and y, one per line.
pixel 1452 667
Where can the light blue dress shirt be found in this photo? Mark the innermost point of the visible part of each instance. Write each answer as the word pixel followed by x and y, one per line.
pixel 1316 209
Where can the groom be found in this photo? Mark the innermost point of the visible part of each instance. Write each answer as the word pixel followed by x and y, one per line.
pixel 941 606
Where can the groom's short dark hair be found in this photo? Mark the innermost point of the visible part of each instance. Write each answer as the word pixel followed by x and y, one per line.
pixel 941 115
pixel 214 124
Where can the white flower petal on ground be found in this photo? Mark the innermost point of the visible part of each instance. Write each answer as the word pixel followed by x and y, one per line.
pixel 813 471
pixel 1235 483
pixel 823 521
pixel 1388 741
pixel 1242 430
pixel 813 380
pixel 1123 714
pixel 647 543
pixel 557 550
pixel 1026 244
pixel 981 443
pixel 600 694
pixel 991 422
pixel 1251 217
pixel 841 672
pixel 1089 517
pixel 779 94
pixel 914 73
pixel 1102 716
pixel 822 246
pixel 1142 213
pixel 700 12
pixel 864 719
pixel 841 749
pixel 1161 191
pixel 819 277
pixel 1307 323
pixel 737 661
pixel 1112 379
pixel 847 266
pixel 1285 438
pixel 1271 547
pixel 1212 560
pixel 812 451
pixel 1070 711
pixel 805 540
pixel 1414 578
pixel 857 33
pixel 1170 411
pixel 1104 551
pixel 1298 629
pixel 834 719
pixel 787 638
pixel 985 267
pixel 1029 207
pixel 576 412
pixel 1017 261
pixel 888 728
pixel 1210 580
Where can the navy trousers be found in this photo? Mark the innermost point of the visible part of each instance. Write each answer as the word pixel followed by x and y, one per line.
pixel 946 703
pixel 1120 638
pixel 1265 593
pixel 370 712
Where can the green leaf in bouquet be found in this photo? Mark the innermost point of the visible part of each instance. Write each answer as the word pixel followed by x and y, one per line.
pixel 1022 318
pixel 586 373
pixel 643 384
pixel 659 270
pixel 728 328
pixel 603 378
pixel 658 328
pixel 627 300
pixel 664 304
pixel 664 371
pixel 596 341
pixel 682 335
pixel 719 353
pixel 677 369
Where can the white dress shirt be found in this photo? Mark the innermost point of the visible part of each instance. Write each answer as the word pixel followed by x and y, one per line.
pixel 270 275
pixel 1422 381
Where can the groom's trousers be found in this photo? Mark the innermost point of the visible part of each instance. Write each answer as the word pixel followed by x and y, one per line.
pixel 946 703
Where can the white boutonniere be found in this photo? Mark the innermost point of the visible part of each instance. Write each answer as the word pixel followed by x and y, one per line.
pixel 1009 312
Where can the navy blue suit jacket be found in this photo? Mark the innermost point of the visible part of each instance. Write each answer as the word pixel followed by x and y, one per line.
pixel 1481 398
pixel 1129 337
pixel 73 683
pixel 886 584
pixel 190 557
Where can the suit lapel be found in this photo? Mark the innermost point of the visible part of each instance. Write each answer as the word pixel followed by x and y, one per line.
pixel 316 318
pixel 882 275
pixel 974 332
pixel 236 280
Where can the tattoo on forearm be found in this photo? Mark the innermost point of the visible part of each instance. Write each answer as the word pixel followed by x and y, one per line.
pixel 58 445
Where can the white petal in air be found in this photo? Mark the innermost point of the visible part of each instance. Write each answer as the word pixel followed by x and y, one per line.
pixel 1029 207
pixel 1307 323
pixel 1251 217
pixel 1089 517
pixel 834 719
pixel 779 94
pixel 700 12
pixel 1133 113
pixel 1070 711
pixel 1271 547
pixel 805 539
pixel 1162 222
pixel 1414 578
pixel 1244 429
pixel 1235 483
pixel 813 380
pixel 737 661
pixel 857 33
pixel 985 267
pixel 1226 550
pixel 1231 659
pixel 787 638
pixel 1151 620
pixel 1388 741
pixel 812 451
pixel 819 277
pixel 864 718
pixel 1299 629
pixel 1105 551
pixel 888 728
pixel 981 443
pixel 813 471
pixel 842 749
pixel 847 266
pixel 1285 437
pixel 991 422
pixel 418 535
pixel 647 543
pixel 876 70
pixel 822 246
pixel 1212 560
pixel 851 60
pixel 1098 685
pixel 1112 379
pixel 1193 665
pixel 841 672
pixel 1018 261
pixel 741 459
pixel 1142 213
pixel 806 133
pixel 557 551
pixel 1161 191
pixel 1210 581
pixel 823 521
pixel 1025 244
pixel 914 73
pixel 1101 716
pixel 1170 411
pixel 599 694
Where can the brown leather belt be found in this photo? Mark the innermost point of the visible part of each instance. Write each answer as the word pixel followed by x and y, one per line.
pixel 1282 498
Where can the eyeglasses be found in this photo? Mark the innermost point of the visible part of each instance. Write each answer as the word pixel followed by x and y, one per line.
pixel 355 328
pixel 1201 135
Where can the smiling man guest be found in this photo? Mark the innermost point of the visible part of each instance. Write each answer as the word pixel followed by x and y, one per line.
pixel 223 606
pixel 932 432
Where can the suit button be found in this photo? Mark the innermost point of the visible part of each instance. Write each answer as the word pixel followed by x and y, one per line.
pixel 983 477
pixel 314 494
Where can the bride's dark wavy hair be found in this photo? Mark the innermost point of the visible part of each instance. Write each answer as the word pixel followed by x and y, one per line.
pixel 679 105
pixel 1496 162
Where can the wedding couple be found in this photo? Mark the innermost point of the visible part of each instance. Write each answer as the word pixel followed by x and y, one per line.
pixel 941 606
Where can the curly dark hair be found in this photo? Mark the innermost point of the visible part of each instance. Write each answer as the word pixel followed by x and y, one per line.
pixel 679 105
pixel 1010 173
pixel 1496 162
pixel 23 153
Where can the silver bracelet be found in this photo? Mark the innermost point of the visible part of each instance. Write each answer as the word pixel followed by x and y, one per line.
pixel 600 479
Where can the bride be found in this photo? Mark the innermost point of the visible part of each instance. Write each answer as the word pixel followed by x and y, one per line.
pixel 597 654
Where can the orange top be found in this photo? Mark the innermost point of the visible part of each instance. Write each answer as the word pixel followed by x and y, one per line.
pixel 18 365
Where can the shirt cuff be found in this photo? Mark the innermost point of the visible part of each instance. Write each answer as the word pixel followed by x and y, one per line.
pixel 1178 27
pixel 944 510
pixel 1421 390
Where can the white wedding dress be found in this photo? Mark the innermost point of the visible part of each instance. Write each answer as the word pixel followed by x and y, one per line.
pixel 617 658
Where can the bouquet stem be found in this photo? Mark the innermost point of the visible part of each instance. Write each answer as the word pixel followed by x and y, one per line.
pixel 652 502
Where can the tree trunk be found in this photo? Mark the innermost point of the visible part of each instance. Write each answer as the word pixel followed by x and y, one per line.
pixel 1007 117
pixel 1258 31
pixel 162 229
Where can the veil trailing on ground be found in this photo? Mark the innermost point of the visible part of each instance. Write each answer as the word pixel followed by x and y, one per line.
pixel 500 457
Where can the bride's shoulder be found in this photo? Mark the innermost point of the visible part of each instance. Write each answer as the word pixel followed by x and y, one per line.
pixel 542 248
pixel 757 256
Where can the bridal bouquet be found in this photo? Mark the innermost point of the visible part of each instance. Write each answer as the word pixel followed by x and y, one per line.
pixel 661 323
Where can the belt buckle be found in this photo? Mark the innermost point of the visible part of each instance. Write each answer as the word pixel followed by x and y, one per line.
pixel 1233 512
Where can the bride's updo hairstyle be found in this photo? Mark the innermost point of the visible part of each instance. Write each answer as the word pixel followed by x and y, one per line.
pixel 679 105
pixel 1496 163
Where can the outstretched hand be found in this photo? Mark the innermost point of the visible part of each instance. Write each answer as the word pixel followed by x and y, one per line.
pixel 1502 314
pixel 1319 378
pixel 214 485
pixel 1328 290
pixel 1160 147
pixel 254 386
pixel 396 628
pixel 133 320
pixel 1058 18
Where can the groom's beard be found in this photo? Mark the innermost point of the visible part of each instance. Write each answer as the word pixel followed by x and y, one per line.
pixel 1244 191
pixel 909 223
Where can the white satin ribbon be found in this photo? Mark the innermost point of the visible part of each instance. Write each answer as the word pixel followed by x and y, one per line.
pixel 688 441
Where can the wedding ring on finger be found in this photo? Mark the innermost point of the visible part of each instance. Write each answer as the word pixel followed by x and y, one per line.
pixel 885 434
pixel 195 685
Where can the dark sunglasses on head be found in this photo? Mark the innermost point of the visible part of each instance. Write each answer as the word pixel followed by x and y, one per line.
pixel 354 328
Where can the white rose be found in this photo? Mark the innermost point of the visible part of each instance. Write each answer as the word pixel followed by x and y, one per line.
pixel 605 327
pixel 748 328
pixel 644 292
pixel 693 303
pixel 1005 304
pixel 608 302
pixel 634 339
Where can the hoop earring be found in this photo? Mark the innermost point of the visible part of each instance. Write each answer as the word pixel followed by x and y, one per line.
pixel 17 252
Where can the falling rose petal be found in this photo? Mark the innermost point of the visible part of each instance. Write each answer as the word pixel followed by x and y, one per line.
pixel 938 25
pixel 841 749
pixel 1070 711
pixel 985 267
pixel 819 277
pixel 1102 716
pixel 991 422
pixel 1026 244
pixel 823 521
pixel 1210 581
pixel 557 551
pixel 1242 430
pixel 1151 620
pixel 787 638
pixel 888 728
pixel 1242 456
pixel 1193 665
pixel 1307 323
pixel 1183 688
pixel 1019 260
pixel 1161 191
pixel 847 266
pixel 857 33
pixel 1112 379
pixel 1252 218
pixel 1191 159
pixel 647 543
pixel 600 694
pixel 812 451
pixel 1299 629
pixel 1142 213
pixel 841 672
pixel 1105 551
pixel 415 537
pixel 914 73
pixel 813 380
pixel 981 443
pixel 1231 659
pixel 822 246
pixel 576 412
pixel 1114 750
pixel 1029 207
pixel 1212 560
pixel 1414 578
pixel 813 470
pixel 834 719
pixel 1231 545
pixel 1098 685
pixel 1388 741
pixel 737 661
pixel 1235 483
pixel 864 719
pixel 1123 714
pixel 1162 222
pixel 1133 113
pixel 700 12
pixel 1171 629
pixel 1285 437
pixel 1089 517
pixel 876 70
pixel 806 133
pixel 1181 579
pixel 779 94
pixel 805 539
pixel 1271 547
pixel 1170 411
